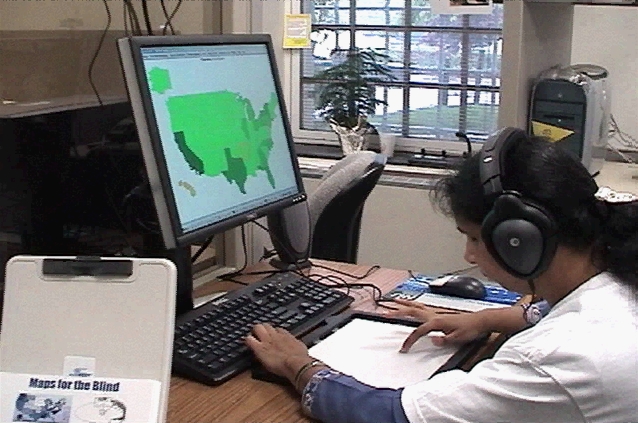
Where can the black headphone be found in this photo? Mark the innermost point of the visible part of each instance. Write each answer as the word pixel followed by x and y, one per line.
pixel 519 233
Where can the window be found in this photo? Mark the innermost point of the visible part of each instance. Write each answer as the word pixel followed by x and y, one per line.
pixel 447 67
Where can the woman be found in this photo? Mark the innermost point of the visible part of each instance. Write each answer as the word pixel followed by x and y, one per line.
pixel 578 364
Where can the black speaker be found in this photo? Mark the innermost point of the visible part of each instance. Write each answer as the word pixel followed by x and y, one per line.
pixel 291 236
pixel 518 232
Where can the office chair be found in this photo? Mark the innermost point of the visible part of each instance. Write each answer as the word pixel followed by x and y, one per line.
pixel 336 206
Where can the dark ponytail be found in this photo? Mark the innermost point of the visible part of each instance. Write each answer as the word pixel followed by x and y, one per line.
pixel 616 249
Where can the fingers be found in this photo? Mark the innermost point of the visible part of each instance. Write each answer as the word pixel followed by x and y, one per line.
pixel 422 330
pixel 421 314
pixel 436 324
pixel 409 303
pixel 265 332
pixel 439 341
pixel 403 312
pixel 453 337
pixel 253 343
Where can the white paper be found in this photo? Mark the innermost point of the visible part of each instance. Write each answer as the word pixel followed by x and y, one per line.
pixel 66 399
pixel 369 351
pixel 461 7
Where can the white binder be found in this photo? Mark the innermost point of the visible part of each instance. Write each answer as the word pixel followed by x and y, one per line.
pixel 86 339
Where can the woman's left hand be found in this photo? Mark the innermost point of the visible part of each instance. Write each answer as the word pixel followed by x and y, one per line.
pixel 277 349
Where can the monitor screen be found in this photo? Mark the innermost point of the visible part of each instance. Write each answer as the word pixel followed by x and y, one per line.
pixel 214 131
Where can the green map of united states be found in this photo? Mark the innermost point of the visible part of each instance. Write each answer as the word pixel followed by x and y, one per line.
pixel 219 133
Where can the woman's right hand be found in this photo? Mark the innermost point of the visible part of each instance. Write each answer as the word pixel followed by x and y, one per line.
pixel 458 328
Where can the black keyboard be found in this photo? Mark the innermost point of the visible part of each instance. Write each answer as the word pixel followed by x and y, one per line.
pixel 209 346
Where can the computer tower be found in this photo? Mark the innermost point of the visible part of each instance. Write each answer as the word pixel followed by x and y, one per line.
pixel 571 106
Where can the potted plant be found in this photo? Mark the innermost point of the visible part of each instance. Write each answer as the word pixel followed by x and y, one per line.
pixel 348 95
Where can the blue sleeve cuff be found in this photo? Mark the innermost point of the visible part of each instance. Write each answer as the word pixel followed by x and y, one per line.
pixel 329 396
pixel 543 306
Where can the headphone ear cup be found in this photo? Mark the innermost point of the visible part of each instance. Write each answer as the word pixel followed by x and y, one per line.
pixel 520 235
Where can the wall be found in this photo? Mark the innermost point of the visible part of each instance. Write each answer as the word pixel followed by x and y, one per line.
pixel 47 46
pixel 608 36
pixel 193 17
pixel 401 230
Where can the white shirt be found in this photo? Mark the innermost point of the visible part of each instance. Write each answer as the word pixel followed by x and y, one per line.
pixel 578 364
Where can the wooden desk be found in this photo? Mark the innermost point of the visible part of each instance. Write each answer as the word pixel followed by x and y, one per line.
pixel 243 399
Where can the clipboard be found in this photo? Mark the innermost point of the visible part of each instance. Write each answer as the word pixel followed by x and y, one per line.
pixel 86 336
pixel 386 368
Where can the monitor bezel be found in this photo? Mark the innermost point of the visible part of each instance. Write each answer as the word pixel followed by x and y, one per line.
pixel 155 160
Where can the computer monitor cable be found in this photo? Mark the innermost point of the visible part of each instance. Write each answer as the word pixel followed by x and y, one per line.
pixel 335 281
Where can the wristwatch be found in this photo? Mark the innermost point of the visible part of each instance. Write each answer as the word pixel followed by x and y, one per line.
pixel 531 313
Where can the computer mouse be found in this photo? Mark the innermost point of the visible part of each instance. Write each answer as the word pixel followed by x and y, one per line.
pixel 460 286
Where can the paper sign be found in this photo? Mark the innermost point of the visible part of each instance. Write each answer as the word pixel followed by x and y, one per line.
pixel 66 399
pixel 297 29
pixel 461 7
pixel 551 132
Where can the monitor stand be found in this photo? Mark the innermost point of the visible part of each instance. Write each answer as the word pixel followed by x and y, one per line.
pixel 154 247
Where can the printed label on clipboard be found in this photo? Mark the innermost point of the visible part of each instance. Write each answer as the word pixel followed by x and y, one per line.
pixel 68 399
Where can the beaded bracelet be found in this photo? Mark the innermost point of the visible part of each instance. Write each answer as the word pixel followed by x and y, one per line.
pixel 303 369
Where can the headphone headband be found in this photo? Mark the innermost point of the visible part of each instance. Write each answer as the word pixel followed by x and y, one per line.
pixel 493 156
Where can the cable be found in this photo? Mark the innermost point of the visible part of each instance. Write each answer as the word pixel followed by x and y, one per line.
pixel 170 18
pixel 134 20
pixel 368 272
pixel 97 51
pixel 147 17
pixel 116 212
pixel 626 139
pixel 336 281
pixel 464 137
pixel 168 23
pixel 201 249
pixel 228 276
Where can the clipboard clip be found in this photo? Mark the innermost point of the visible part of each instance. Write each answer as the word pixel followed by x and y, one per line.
pixel 87 266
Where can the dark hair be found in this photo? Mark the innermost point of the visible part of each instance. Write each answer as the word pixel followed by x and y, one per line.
pixel 548 174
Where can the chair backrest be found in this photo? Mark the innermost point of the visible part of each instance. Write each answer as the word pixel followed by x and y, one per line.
pixel 336 205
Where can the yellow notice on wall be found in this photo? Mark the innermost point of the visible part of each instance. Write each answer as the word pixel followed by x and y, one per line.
pixel 297 30
pixel 551 132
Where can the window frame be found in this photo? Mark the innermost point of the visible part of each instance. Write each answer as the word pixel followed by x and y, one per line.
pixel 407 144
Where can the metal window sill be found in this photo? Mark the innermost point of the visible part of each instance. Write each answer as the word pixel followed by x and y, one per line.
pixel 315 160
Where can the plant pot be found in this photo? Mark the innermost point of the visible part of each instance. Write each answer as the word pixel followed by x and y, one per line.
pixel 387 142
pixel 351 143
pixel 350 139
